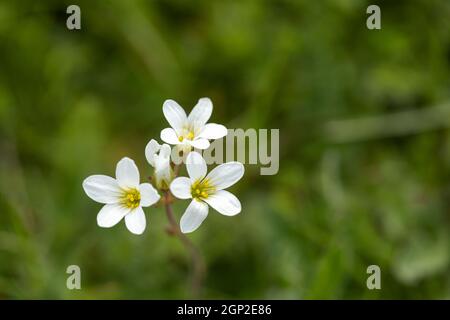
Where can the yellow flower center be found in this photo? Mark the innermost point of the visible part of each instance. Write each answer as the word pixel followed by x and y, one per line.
pixel 131 198
pixel 201 189
pixel 188 136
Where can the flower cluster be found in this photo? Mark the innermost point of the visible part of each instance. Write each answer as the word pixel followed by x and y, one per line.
pixel 124 196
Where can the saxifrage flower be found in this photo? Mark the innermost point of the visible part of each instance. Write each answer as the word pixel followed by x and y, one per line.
pixel 123 196
pixel 206 190
pixel 193 130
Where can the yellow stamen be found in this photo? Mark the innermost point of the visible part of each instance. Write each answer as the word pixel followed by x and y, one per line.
pixel 201 189
pixel 131 198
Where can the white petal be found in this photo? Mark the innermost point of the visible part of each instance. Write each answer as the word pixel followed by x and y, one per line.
pixel 169 135
pixel 135 221
pixel 163 171
pixel 226 174
pixel 102 189
pixel 213 131
pixel 163 176
pixel 199 143
pixel 181 188
pixel 224 202
pixel 175 115
pixel 193 217
pixel 201 113
pixel 162 160
pixel 111 214
pixel 152 147
pixel 196 166
pixel 127 173
pixel 165 151
pixel 149 195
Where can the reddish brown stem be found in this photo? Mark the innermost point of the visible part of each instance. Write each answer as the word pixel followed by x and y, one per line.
pixel 198 268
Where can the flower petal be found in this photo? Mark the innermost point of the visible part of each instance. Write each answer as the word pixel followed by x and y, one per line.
pixel 111 214
pixel 149 195
pixel 162 160
pixel 163 171
pixel 193 217
pixel 102 189
pixel 181 188
pixel 150 150
pixel 196 166
pixel 135 221
pixel 201 113
pixel 175 114
pixel 165 151
pixel 213 131
pixel 199 143
pixel 226 174
pixel 127 173
pixel 224 202
pixel 169 136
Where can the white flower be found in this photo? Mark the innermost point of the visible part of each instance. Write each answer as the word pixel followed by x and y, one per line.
pixel 123 196
pixel 191 131
pixel 161 162
pixel 206 190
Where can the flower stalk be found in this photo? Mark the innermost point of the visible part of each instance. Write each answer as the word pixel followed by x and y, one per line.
pixel 198 267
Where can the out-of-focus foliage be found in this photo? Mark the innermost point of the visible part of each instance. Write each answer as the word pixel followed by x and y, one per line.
pixel 364 145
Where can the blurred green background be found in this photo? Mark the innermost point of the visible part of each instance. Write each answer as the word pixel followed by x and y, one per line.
pixel 364 121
